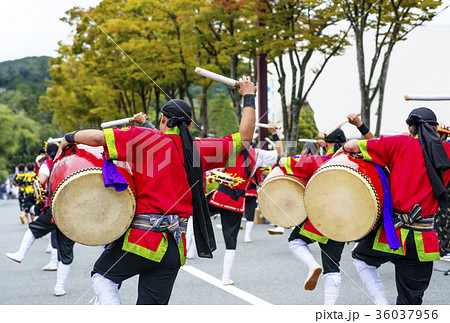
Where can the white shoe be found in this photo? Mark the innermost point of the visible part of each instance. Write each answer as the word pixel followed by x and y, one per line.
pixel 228 261
pixel 446 257
pixel 276 230
pixel 15 256
pixel 313 277
pixel 59 292
pixel 50 267
pixel 227 282
pixel 61 276
pixel 27 241
pixel 248 231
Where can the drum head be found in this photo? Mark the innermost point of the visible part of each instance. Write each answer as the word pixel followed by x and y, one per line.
pixel 341 203
pixel 280 200
pixel 89 213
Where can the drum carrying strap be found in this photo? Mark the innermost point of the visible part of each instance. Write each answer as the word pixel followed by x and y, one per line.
pixel 413 220
pixel 158 222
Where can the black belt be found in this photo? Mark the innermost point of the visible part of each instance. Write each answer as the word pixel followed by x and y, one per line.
pixel 234 193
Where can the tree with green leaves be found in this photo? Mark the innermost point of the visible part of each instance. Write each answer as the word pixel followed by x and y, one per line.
pixel 294 33
pixel 224 31
pixel 19 139
pixel 222 119
pixel 384 23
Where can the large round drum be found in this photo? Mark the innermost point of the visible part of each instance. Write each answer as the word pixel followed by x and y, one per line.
pixel 83 208
pixel 280 199
pixel 343 199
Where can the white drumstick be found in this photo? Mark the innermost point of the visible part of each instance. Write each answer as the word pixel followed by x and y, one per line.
pixel 216 77
pixel 307 140
pixel 53 140
pixel 270 141
pixel 263 125
pixel 337 125
pixel 113 123
pixel 427 97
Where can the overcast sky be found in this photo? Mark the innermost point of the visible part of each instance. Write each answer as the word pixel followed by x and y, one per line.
pixel 33 27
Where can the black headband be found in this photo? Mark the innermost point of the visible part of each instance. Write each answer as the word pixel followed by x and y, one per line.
pixel 177 111
pixel 436 159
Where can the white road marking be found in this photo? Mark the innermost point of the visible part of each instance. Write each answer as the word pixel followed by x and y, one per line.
pixel 252 299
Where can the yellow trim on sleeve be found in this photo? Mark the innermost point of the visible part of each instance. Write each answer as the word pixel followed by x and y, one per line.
pixel 111 143
pixel 288 166
pixel 236 149
pixel 363 147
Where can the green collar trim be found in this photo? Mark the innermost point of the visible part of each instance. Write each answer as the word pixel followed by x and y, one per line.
pixel 173 131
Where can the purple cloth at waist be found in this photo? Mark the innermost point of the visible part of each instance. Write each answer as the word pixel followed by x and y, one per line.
pixel 388 212
pixel 112 177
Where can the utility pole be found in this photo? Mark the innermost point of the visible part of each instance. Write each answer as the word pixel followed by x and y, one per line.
pixel 261 75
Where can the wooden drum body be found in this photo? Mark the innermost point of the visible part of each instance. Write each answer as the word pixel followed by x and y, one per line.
pixel 83 208
pixel 280 199
pixel 343 199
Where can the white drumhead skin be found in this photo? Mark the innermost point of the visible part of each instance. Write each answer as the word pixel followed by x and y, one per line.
pixel 280 200
pixel 89 213
pixel 341 203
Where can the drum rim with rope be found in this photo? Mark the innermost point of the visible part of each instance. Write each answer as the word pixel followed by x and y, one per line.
pixel 287 218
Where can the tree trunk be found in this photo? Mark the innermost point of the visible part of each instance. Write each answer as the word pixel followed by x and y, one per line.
pixel 204 112
pixel 157 106
pixel 364 89
pixel 234 92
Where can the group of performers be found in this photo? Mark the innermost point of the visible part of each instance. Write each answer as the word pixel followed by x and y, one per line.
pixel 154 246
pixel 24 180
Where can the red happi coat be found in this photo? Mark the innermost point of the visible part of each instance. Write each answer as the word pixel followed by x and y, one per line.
pixel 409 185
pixel 160 178
pixel 254 183
pixel 234 199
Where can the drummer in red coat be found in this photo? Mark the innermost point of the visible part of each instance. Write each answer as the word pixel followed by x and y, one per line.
pixel 44 224
pixel 231 202
pixel 168 175
pixel 303 167
pixel 418 175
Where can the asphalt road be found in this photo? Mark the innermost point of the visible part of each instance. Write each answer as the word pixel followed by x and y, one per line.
pixel 264 272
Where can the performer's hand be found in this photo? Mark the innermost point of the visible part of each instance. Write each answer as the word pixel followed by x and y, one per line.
pixel 246 86
pixel 61 147
pixel 140 118
pixel 321 142
pixel 272 128
pixel 354 119
pixel 339 152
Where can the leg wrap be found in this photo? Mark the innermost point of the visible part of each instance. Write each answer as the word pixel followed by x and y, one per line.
pixel 106 290
pixel 372 281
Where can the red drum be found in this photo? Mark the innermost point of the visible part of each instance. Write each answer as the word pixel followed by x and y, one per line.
pixel 280 199
pixel 83 208
pixel 344 197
